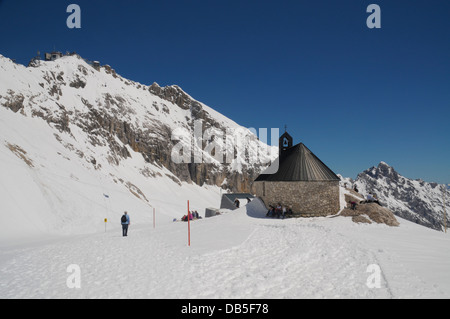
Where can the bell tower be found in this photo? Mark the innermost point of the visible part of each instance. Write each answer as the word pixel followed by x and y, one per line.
pixel 285 142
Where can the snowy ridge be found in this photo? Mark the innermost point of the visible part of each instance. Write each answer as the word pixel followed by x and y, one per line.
pixel 415 200
pixel 71 134
pixel 70 94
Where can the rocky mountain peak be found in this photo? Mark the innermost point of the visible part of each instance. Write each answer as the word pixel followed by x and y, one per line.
pixel 174 94
pixel 414 200
pixel 383 169
pixel 117 116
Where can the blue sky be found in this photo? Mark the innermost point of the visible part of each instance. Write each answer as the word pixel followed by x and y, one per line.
pixel 355 96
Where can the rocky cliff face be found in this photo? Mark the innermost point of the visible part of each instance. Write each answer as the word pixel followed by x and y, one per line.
pixel 414 200
pixel 117 115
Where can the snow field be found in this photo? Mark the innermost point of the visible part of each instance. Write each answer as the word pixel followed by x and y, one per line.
pixel 234 255
pixel 52 215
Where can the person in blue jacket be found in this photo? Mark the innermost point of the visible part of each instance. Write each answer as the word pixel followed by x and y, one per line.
pixel 125 220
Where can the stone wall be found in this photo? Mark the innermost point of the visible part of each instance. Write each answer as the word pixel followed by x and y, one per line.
pixel 306 198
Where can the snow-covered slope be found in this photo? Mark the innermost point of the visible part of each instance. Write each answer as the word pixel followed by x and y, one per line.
pixel 48 188
pixel 236 255
pixel 109 112
pixel 79 144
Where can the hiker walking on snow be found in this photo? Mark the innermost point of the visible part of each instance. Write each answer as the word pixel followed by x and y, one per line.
pixel 125 220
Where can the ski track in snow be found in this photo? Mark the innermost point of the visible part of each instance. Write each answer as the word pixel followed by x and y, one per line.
pixel 257 258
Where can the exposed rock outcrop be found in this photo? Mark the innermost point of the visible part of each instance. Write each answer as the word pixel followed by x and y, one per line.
pixel 123 115
pixel 368 212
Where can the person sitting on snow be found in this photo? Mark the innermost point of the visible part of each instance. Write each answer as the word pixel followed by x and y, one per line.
pixel 271 211
pixel 278 210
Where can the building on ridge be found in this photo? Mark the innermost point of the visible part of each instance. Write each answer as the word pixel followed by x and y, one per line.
pixel 302 182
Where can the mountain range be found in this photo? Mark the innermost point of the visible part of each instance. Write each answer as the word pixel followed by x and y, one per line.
pixel 76 136
pixel 113 112
pixel 415 200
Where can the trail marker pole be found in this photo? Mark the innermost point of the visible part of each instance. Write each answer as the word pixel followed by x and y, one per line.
pixel 189 225
pixel 106 221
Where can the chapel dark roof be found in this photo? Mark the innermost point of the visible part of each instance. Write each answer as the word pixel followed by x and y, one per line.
pixel 298 163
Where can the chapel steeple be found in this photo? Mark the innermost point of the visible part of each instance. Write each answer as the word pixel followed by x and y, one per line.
pixel 285 142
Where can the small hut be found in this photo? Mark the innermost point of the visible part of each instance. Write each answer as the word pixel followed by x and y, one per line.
pixel 228 200
pixel 55 55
